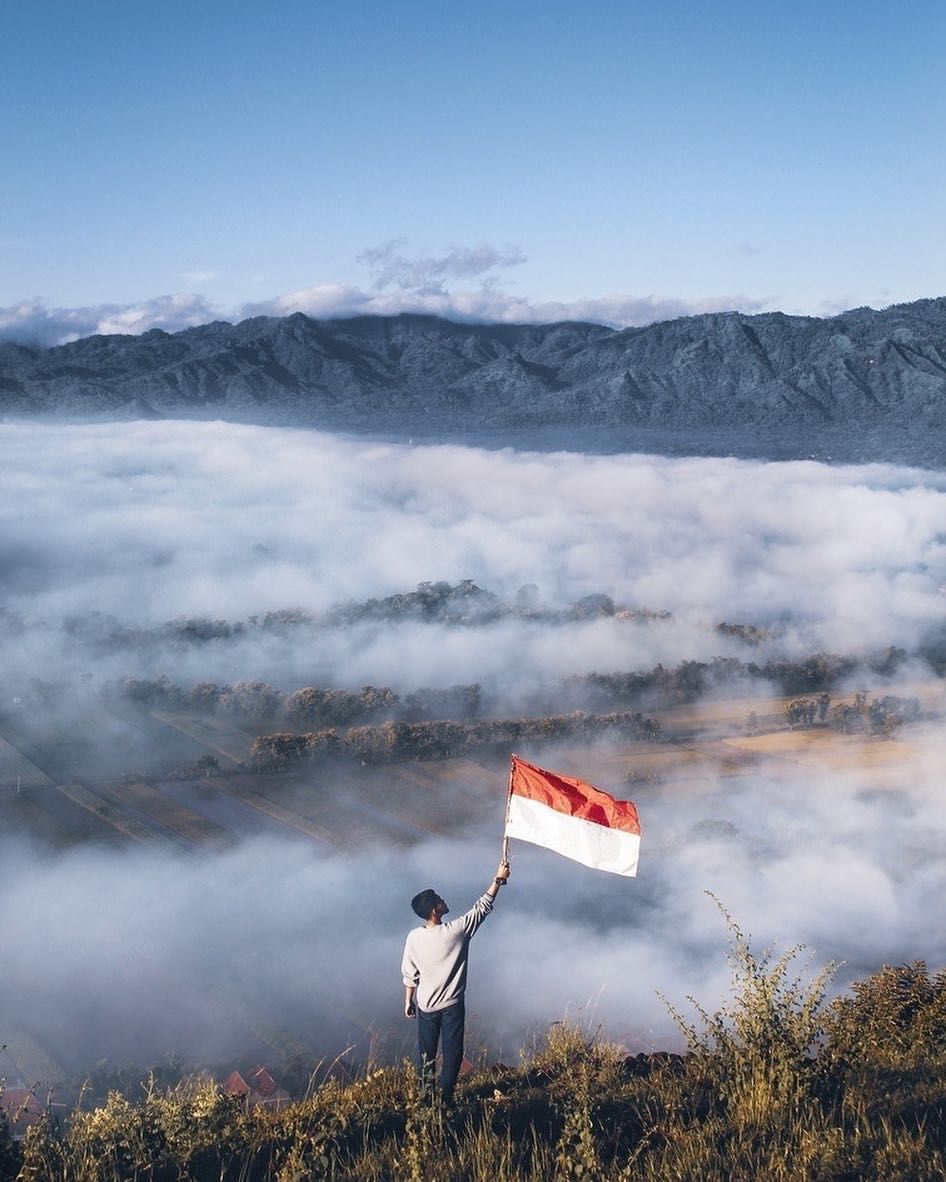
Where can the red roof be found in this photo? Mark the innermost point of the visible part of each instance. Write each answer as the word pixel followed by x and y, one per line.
pixel 261 1081
pixel 236 1085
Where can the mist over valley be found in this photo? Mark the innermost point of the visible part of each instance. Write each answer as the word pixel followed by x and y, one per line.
pixel 175 593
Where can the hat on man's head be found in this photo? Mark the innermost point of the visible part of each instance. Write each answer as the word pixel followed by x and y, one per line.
pixel 425 902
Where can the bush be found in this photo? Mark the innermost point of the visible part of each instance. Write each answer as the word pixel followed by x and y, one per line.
pixel 777 1087
pixel 895 1019
pixel 759 1050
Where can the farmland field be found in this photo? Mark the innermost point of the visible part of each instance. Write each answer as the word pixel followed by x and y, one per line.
pixel 346 806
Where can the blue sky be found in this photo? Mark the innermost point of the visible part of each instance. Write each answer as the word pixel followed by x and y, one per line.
pixel 612 160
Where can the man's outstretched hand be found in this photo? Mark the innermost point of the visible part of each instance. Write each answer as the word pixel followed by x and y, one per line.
pixel 501 876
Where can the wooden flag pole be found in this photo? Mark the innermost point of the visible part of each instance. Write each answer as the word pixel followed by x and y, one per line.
pixel 508 799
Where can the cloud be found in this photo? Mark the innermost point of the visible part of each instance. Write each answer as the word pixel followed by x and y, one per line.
pixel 426 274
pixel 145 952
pixel 32 322
pixel 419 283
pixel 437 285
pixel 149 521
pixel 493 305
pixel 324 301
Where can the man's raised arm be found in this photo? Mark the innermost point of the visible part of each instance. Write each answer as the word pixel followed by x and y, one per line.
pixel 484 904
pixel 500 879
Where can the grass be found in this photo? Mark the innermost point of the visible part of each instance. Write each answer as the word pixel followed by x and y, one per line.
pixel 778 1085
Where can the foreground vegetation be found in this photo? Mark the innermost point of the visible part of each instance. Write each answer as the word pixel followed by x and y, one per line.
pixel 778 1085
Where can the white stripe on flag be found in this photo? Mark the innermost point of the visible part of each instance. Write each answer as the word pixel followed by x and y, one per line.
pixel 587 842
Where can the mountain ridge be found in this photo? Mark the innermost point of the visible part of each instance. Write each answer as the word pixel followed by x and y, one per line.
pixel 862 368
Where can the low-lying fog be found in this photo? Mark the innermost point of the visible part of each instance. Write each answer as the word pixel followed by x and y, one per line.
pixel 146 522
pixel 135 954
pixel 118 953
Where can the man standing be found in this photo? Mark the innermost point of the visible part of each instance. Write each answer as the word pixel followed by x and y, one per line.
pixel 434 971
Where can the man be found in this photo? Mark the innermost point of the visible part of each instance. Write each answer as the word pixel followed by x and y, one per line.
pixel 434 972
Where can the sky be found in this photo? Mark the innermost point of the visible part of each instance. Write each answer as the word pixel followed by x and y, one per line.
pixel 168 164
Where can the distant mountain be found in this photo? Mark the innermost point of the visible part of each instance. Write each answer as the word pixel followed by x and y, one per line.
pixel 723 370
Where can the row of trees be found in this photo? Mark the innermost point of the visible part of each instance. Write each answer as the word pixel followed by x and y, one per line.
pixel 395 742
pixel 459 604
pixel 864 715
pixel 316 707
pixel 691 680
pixel 312 706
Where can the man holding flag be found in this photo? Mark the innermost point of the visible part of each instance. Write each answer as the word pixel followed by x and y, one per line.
pixel 549 809
pixel 434 972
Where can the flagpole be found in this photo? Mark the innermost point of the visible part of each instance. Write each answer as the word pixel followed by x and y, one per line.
pixel 506 820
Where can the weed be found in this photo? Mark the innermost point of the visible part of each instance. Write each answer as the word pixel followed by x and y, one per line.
pixel 759 1050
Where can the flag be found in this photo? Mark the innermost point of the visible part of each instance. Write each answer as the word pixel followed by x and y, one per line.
pixel 573 818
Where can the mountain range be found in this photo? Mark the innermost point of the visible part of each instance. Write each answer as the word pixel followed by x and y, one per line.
pixel 860 369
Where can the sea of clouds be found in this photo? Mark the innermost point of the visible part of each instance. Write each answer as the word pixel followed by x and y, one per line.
pixel 118 953
pixel 147 522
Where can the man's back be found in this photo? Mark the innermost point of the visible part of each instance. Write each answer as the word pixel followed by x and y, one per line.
pixel 434 972
pixel 435 957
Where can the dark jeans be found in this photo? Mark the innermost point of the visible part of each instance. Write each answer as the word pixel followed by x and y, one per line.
pixel 447 1026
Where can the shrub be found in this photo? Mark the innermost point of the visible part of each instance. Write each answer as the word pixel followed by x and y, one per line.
pixel 894 1019
pixel 758 1051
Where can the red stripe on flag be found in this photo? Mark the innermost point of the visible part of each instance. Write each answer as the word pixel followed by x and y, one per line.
pixel 574 797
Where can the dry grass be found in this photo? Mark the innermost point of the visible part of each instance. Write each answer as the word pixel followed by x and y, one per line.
pixel 777 1086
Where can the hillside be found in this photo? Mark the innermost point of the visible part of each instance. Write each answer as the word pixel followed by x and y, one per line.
pixel 778 1085
pixel 862 369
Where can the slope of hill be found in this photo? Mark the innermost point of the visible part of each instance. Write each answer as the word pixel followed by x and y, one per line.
pixel 860 369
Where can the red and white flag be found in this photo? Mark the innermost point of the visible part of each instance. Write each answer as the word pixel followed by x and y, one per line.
pixel 573 818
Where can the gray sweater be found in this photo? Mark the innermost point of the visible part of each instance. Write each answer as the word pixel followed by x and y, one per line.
pixel 435 957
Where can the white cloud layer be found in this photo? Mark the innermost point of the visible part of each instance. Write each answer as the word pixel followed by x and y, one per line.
pixel 149 521
pixel 33 322
pixel 427 274
pixel 140 955
pixel 399 282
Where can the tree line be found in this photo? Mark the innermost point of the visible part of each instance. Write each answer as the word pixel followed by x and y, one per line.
pixel 877 716
pixel 462 604
pixel 396 742
pixel 311 706
pixel 317 707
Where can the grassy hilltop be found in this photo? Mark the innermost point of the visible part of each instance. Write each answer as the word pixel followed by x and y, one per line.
pixel 779 1086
